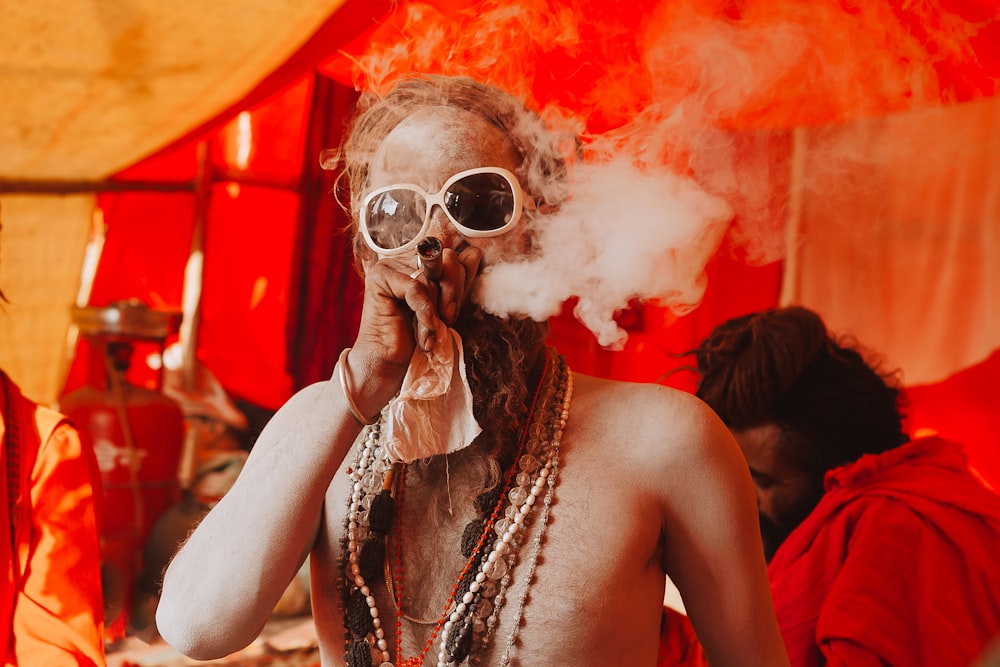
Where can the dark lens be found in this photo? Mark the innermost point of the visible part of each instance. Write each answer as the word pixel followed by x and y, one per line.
pixel 394 218
pixel 483 202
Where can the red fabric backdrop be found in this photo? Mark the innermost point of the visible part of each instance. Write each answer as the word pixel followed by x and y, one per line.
pixel 280 297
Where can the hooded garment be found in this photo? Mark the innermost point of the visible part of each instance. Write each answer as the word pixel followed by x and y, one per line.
pixel 898 564
pixel 51 606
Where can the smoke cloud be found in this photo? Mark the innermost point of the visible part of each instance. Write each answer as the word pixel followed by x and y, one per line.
pixel 624 234
pixel 685 110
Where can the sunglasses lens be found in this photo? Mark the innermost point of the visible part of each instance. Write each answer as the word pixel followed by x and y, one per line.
pixel 394 217
pixel 484 202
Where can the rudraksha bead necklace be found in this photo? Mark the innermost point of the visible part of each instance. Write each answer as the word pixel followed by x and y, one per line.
pixel 471 612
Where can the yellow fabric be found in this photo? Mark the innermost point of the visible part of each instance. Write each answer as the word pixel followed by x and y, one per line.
pixel 90 88
pixel 41 252
pixel 87 89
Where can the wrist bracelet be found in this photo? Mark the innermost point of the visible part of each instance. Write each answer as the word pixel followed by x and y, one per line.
pixel 345 386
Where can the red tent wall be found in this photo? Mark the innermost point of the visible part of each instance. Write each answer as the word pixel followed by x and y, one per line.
pixel 964 407
pixel 280 298
pixel 249 236
pixel 325 304
pixel 280 292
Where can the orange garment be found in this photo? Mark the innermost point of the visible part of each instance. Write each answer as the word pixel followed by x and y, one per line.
pixel 51 606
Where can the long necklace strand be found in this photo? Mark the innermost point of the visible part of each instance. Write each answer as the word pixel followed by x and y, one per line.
pixel 545 478
pixel 477 583
pixel 371 515
pixel 543 521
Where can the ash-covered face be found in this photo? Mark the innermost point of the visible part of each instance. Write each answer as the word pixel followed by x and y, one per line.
pixel 431 146
pixel 426 149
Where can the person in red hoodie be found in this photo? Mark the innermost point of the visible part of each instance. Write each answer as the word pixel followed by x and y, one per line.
pixel 51 605
pixel 881 550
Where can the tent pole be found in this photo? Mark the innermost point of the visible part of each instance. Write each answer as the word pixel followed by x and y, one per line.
pixel 91 260
pixel 191 305
pixel 793 225
pixel 58 187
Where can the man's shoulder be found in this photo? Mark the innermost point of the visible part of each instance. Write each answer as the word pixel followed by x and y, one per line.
pixel 657 419
pixel 653 401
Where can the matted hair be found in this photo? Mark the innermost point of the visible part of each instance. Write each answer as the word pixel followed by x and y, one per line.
pixel 542 171
pixel 782 366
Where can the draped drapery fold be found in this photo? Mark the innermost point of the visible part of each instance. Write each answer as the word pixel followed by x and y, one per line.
pixel 325 296
pixel 898 238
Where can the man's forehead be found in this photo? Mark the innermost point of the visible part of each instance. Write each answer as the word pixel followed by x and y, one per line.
pixel 424 134
pixel 439 141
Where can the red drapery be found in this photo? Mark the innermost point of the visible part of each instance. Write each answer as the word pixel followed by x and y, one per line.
pixel 280 295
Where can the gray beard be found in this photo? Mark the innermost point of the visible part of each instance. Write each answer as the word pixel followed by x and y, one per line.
pixel 503 362
pixel 503 359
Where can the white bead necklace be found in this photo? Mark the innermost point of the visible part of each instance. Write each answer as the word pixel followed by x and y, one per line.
pixel 538 466
pixel 546 480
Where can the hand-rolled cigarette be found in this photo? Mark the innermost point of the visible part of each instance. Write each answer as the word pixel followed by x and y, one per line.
pixel 429 257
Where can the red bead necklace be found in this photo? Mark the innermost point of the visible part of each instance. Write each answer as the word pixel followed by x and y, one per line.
pixel 397 592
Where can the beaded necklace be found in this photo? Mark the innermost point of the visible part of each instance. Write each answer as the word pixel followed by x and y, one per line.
pixel 491 545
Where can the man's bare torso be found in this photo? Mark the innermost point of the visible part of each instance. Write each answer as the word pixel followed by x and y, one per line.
pixel 597 590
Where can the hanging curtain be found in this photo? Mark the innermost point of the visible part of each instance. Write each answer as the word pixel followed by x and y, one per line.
pixel 325 296
pixel 898 237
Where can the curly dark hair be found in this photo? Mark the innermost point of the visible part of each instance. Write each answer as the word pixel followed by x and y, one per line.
pixel 542 151
pixel 783 366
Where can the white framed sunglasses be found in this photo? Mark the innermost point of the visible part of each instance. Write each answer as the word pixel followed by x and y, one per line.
pixel 479 203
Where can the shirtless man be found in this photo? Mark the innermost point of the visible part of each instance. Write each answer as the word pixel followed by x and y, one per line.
pixel 609 486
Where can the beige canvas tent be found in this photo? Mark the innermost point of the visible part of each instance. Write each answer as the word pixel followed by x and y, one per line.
pixel 87 90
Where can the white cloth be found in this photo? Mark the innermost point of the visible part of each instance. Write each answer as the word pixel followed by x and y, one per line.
pixel 432 414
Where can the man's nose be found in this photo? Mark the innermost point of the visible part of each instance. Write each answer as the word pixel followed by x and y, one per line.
pixel 441 227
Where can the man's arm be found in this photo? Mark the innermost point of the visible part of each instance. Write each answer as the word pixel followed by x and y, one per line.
pixel 220 588
pixel 712 549
pixel 59 617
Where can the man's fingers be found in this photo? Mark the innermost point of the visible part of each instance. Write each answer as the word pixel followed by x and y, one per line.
pixel 398 305
pixel 419 300
pixel 459 271
pixel 430 302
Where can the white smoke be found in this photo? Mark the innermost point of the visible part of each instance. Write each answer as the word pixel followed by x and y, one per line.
pixel 625 233
pixel 691 107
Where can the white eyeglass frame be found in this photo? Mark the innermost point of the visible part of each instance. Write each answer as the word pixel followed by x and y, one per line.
pixel 438 200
